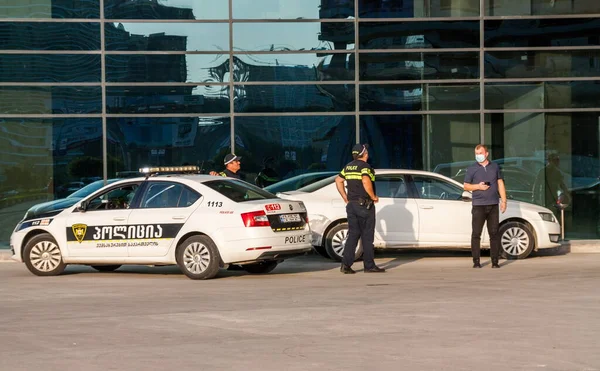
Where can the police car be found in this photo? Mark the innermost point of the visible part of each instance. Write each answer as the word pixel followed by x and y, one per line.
pixel 172 216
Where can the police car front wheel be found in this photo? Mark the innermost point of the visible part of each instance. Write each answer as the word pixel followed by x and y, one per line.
pixel 198 258
pixel 42 256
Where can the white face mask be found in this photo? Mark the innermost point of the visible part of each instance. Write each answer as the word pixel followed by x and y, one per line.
pixel 480 158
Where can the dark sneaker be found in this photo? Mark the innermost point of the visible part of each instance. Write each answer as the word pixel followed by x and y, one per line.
pixel 347 270
pixel 375 269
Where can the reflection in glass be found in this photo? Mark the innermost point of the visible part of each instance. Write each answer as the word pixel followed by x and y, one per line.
pixel 167 99
pixel 54 99
pixel 532 64
pixel 135 142
pixel 167 36
pixel 49 68
pixel 166 9
pixel 44 159
pixel 296 144
pixel 283 36
pixel 540 7
pixel 294 67
pixel 542 32
pixel 532 145
pixel 419 35
pixel 49 36
pixel 417 66
pixel 167 68
pixel 419 97
pixel 50 9
pixel 292 9
pixel 294 98
pixel 422 142
pixel 418 8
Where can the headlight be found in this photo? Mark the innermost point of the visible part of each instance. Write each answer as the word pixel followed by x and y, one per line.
pixel 548 217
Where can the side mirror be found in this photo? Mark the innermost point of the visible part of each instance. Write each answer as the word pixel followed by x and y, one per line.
pixel 467 196
pixel 82 206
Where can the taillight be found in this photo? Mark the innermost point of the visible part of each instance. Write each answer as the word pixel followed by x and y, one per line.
pixel 255 219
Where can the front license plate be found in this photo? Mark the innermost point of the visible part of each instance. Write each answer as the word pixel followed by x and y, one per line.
pixel 289 218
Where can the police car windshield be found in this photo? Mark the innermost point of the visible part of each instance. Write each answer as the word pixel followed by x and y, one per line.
pixel 318 185
pixel 239 191
pixel 90 188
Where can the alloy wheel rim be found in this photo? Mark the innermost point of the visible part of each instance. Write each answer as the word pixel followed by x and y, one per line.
pixel 45 256
pixel 515 241
pixel 338 242
pixel 196 257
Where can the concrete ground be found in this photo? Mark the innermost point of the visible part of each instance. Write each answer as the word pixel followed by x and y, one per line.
pixel 428 312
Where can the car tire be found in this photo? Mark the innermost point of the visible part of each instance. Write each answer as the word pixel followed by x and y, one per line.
pixel 260 267
pixel 43 257
pixel 106 268
pixel 516 240
pixel 336 240
pixel 198 257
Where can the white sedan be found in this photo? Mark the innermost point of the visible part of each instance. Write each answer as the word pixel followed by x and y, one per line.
pixel 201 223
pixel 422 209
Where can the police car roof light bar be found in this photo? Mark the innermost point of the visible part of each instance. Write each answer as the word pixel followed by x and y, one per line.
pixel 169 169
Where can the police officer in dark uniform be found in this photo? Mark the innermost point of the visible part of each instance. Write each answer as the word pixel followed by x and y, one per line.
pixel 360 178
pixel 232 167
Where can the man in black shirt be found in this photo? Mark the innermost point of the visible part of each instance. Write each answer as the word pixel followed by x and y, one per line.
pixel 360 178
pixel 232 167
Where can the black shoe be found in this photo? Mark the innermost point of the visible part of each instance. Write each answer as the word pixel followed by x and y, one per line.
pixel 375 269
pixel 347 270
pixel 476 265
pixel 495 265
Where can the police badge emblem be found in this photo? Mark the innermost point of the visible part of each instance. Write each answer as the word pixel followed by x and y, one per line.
pixel 79 231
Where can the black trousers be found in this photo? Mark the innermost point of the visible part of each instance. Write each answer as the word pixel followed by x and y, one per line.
pixel 361 225
pixel 481 215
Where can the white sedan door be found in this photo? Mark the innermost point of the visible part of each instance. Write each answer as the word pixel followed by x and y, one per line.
pixel 397 221
pixel 444 216
pixel 163 210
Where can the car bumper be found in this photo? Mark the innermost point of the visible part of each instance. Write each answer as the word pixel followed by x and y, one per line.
pixel 547 234
pixel 16 240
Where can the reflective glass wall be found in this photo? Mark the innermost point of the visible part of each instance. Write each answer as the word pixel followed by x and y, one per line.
pixel 94 89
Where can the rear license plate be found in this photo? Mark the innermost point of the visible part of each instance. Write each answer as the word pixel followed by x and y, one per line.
pixel 289 218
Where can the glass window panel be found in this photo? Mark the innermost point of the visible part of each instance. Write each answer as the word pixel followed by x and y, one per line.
pixel 419 142
pixel 49 68
pixel 418 66
pixel 542 32
pixel 540 7
pixel 540 151
pixel 294 67
pixel 135 142
pixel 536 95
pixel 418 8
pixel 294 145
pixel 292 9
pixel 167 99
pixel 167 68
pixel 531 64
pixel 419 35
pixel 49 36
pixel 294 98
pixel 166 9
pixel 283 36
pixel 44 159
pixel 50 9
pixel 419 97
pixel 52 99
pixel 167 36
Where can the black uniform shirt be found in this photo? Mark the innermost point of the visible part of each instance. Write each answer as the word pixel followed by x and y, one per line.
pixel 230 174
pixel 353 173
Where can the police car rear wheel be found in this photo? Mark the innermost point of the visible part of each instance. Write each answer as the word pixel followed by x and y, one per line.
pixel 198 258
pixel 106 268
pixel 335 242
pixel 42 256
pixel 260 268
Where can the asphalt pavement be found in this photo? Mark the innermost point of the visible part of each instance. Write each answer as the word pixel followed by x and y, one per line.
pixel 428 312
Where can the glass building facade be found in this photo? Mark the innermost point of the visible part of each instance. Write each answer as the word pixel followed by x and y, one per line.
pixel 95 89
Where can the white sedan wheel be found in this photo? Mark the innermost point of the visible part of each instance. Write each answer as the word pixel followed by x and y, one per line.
pixel 42 256
pixel 516 240
pixel 335 242
pixel 198 257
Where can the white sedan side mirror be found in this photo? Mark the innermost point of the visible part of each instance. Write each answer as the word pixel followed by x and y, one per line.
pixel 467 196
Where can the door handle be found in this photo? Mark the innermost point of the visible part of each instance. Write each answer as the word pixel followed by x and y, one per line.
pixel 119 219
pixel 426 207
pixel 178 217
